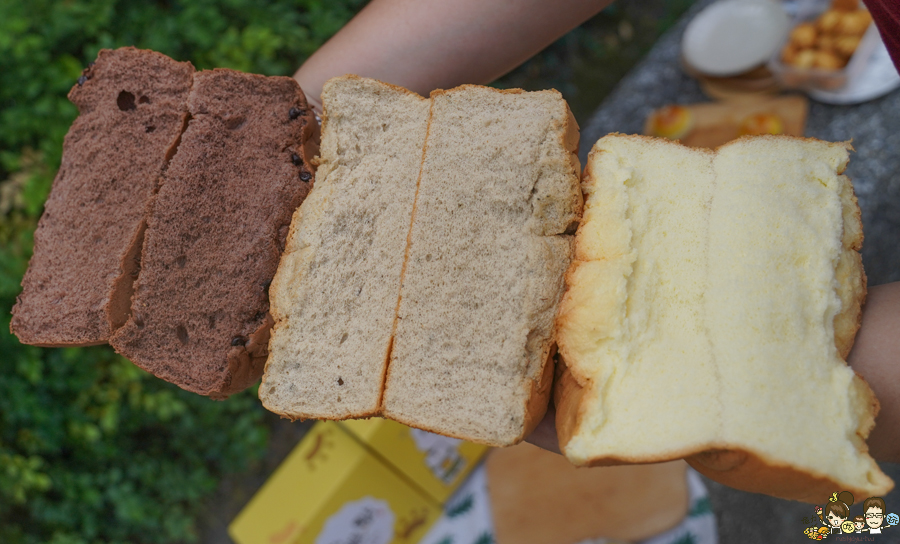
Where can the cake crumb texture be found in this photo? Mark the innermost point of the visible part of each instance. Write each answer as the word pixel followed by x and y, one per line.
pixel 712 300
pixel 132 108
pixel 488 251
pixel 200 309
pixel 335 293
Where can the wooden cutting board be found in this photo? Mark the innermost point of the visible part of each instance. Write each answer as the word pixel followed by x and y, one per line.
pixel 538 497
pixel 716 123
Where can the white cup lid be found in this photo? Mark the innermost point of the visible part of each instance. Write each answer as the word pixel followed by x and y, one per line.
pixel 733 36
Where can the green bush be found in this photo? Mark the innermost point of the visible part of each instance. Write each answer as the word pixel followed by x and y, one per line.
pixel 93 449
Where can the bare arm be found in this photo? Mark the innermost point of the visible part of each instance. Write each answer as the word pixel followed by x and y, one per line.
pixel 875 357
pixel 432 44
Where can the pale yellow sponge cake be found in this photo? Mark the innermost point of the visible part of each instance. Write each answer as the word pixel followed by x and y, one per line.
pixel 713 297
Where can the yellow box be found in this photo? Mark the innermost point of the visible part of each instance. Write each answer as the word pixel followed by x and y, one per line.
pixel 331 489
pixel 436 463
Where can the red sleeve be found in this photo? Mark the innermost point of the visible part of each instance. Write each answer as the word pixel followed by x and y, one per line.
pixel 886 14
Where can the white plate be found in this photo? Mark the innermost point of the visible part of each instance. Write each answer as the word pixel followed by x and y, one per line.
pixel 733 36
pixel 878 78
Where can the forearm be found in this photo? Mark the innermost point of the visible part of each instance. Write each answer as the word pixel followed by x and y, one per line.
pixel 876 357
pixel 431 44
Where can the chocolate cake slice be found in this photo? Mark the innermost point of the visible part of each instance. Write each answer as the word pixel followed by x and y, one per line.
pixel 200 307
pixel 132 109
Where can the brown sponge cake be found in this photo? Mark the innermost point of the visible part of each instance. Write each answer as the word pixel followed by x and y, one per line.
pixel 200 308
pixel 132 109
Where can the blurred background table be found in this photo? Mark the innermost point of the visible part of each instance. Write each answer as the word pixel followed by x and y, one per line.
pixel 874 128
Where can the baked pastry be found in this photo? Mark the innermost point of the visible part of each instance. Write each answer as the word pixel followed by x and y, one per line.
pixel 334 297
pixel 845 5
pixel 77 289
pixel 200 307
pixel 673 122
pixel 708 312
pixel 761 123
pixel 803 35
pixel 488 249
pixel 464 200
pixel 828 42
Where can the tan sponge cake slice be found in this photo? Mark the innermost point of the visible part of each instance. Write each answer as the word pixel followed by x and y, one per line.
pixel 465 200
pixel 334 298
pixel 200 308
pixel 711 302
pixel 484 272
pixel 132 109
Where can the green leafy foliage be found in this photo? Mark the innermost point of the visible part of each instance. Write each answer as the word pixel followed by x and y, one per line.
pixel 93 449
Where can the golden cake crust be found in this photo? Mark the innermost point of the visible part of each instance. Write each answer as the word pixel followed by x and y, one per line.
pixel 736 467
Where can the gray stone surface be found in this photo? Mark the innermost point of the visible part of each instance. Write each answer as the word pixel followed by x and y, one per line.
pixel 874 128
